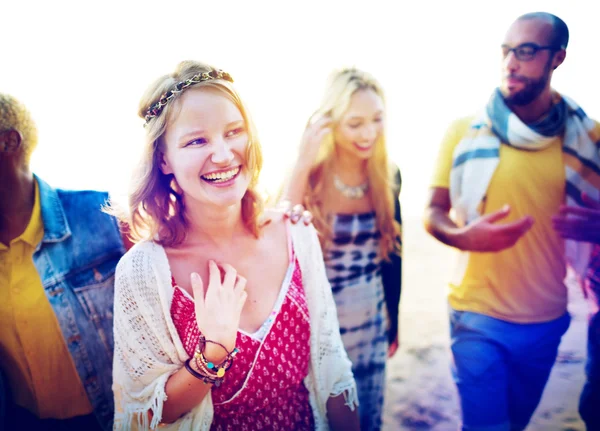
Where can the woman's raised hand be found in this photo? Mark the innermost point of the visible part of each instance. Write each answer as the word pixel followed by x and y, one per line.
pixel 316 130
pixel 219 306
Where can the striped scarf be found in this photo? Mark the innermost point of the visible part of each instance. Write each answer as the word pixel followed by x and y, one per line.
pixel 477 155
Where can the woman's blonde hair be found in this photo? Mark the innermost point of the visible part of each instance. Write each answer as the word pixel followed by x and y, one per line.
pixel 342 85
pixel 156 206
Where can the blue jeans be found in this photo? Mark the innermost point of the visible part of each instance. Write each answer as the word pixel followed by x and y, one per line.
pixel 589 403
pixel 500 368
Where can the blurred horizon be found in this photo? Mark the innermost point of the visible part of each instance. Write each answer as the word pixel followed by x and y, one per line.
pixel 81 69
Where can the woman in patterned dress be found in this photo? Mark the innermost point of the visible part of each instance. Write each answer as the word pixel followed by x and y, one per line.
pixel 209 264
pixel 344 178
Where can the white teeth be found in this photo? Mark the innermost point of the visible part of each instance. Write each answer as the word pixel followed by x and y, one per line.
pixel 222 176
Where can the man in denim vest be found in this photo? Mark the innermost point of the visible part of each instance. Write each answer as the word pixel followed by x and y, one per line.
pixel 58 253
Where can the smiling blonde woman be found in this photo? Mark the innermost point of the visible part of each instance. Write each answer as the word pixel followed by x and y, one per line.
pixel 344 178
pixel 224 317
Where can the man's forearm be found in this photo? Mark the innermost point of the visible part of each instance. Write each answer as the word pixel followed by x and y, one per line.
pixel 439 224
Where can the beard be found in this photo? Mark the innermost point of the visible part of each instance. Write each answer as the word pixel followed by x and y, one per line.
pixel 533 87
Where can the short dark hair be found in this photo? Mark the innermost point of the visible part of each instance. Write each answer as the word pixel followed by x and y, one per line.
pixel 560 31
pixel 14 115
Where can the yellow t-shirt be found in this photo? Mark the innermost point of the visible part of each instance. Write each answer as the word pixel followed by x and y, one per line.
pixel 524 283
pixel 33 354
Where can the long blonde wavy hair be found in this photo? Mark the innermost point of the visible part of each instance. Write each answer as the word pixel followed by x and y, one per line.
pixel 156 205
pixel 339 90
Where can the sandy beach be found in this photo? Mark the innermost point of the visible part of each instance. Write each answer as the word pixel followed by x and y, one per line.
pixel 420 393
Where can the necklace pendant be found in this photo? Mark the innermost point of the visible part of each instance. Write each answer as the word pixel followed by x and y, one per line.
pixel 350 192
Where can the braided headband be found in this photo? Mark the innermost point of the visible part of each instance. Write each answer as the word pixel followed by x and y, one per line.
pixel 156 108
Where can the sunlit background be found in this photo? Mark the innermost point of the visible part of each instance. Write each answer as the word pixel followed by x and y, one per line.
pixel 81 68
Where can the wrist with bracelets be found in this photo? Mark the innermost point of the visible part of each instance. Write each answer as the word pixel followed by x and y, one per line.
pixel 208 371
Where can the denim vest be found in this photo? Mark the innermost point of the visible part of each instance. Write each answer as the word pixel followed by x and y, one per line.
pixel 76 261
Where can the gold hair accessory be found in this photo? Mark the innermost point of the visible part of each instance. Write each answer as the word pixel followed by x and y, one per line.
pixel 155 109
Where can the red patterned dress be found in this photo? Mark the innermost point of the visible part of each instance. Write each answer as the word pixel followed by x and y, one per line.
pixel 264 388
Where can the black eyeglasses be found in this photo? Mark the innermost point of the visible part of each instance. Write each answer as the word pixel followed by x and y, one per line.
pixel 526 51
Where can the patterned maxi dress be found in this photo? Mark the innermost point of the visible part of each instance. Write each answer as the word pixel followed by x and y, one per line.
pixel 354 271
pixel 264 389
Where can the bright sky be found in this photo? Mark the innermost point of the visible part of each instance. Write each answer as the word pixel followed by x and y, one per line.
pixel 81 68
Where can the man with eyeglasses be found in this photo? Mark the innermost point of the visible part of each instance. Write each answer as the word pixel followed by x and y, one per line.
pixel 502 175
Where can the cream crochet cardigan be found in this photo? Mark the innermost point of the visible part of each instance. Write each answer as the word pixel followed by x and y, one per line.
pixel 148 349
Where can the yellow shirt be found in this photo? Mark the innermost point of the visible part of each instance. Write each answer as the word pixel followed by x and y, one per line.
pixel 524 283
pixel 33 354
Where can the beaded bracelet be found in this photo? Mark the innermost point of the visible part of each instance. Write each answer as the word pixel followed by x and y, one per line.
pixel 216 368
pixel 216 375
pixel 202 344
pixel 206 379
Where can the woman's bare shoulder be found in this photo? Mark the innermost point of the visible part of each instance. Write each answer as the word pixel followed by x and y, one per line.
pixel 274 224
pixel 272 218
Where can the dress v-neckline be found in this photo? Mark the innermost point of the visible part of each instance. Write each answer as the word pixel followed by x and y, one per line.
pixel 261 332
